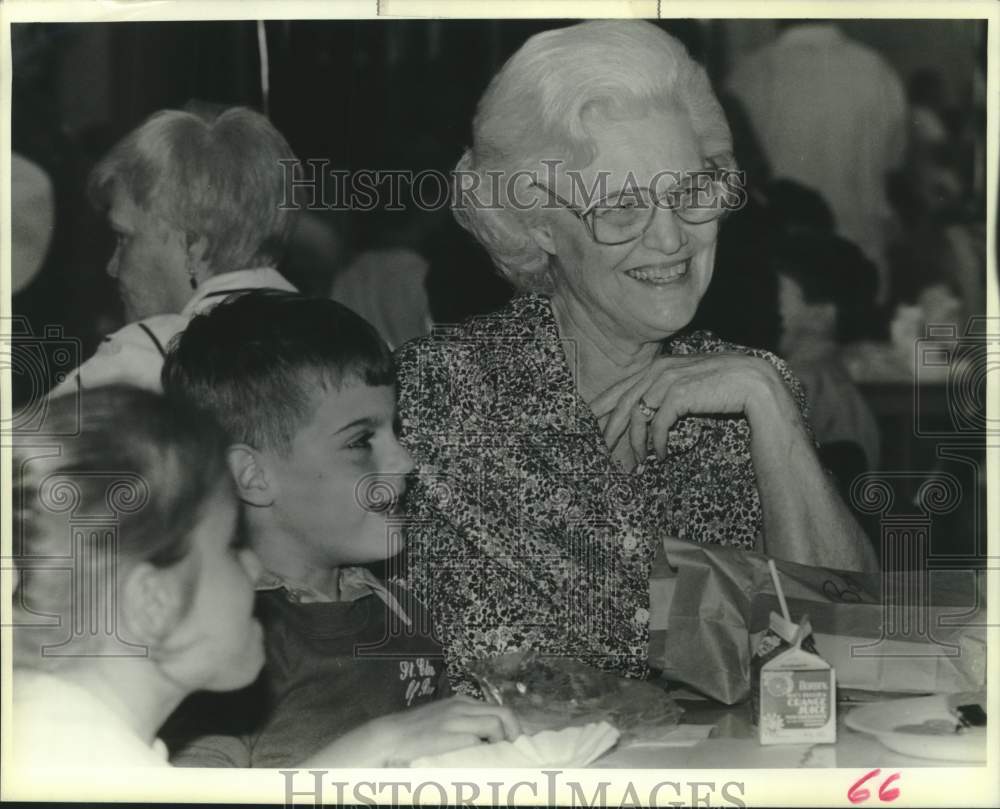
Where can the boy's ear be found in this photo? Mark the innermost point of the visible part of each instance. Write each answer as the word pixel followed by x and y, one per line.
pixel 253 484
pixel 154 600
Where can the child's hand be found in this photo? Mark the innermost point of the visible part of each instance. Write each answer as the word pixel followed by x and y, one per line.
pixel 437 727
pixel 440 727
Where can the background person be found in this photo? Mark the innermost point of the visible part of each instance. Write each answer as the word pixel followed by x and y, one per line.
pixel 559 439
pixel 196 207
pixel 830 114
pixel 825 287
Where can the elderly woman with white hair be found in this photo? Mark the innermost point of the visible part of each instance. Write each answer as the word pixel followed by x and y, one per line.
pixel 561 438
pixel 196 205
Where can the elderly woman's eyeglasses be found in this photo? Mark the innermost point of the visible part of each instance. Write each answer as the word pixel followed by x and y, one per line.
pixel 619 218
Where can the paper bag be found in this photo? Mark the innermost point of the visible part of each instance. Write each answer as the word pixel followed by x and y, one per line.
pixel 901 632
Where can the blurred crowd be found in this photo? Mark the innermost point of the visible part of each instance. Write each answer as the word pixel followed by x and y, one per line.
pixel 864 222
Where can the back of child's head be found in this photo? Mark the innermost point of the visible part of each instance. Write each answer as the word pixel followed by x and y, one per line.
pixel 258 361
pixel 126 481
pixel 830 269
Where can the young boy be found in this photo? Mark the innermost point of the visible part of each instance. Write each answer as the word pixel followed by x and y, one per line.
pixel 305 390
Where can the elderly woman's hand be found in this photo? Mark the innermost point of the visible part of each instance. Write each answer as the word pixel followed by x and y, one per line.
pixel 650 402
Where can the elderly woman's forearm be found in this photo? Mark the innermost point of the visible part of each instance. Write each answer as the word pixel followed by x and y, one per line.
pixel 805 519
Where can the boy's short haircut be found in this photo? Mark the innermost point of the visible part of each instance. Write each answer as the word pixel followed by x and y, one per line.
pixel 257 361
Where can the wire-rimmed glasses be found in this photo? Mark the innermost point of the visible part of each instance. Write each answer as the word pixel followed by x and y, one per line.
pixel 698 198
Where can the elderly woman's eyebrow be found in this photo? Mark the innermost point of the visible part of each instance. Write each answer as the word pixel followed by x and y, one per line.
pixel 629 191
pixel 681 180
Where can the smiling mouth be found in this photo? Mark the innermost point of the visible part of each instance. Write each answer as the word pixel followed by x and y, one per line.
pixel 661 275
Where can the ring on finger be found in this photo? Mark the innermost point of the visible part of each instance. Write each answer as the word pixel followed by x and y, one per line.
pixel 645 410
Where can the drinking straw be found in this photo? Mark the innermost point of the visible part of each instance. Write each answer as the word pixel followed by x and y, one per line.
pixel 778 590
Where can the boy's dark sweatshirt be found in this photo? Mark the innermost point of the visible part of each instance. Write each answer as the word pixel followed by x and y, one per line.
pixel 330 667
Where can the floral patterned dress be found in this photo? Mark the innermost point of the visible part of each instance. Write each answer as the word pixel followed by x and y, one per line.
pixel 523 531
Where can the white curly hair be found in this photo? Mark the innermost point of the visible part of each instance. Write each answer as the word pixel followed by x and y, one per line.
pixel 535 108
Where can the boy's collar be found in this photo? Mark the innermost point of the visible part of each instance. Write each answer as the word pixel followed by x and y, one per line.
pixel 296 591
pixel 355 583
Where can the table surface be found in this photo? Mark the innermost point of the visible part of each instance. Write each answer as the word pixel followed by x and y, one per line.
pixel 733 745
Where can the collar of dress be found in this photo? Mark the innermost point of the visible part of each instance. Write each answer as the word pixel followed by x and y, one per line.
pixel 217 287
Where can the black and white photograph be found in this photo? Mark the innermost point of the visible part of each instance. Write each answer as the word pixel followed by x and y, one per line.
pixel 521 410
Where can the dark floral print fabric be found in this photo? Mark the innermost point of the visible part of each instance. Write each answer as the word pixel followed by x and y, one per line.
pixel 523 531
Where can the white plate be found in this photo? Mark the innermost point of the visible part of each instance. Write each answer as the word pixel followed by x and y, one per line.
pixel 887 722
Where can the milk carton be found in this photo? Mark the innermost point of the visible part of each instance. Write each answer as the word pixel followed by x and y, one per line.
pixel 793 689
